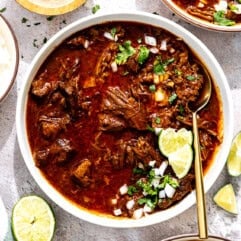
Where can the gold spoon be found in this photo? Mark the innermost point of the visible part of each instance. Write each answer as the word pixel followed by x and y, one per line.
pixel 195 107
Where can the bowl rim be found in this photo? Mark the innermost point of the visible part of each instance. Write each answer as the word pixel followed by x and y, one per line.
pixel 136 16
pixel 198 21
pixel 16 57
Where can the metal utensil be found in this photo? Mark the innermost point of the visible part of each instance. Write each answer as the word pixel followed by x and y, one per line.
pixel 195 107
pixel 202 101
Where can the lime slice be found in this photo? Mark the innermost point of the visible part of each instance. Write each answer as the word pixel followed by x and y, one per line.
pixel 234 157
pixel 225 198
pixel 32 219
pixel 170 140
pixel 181 160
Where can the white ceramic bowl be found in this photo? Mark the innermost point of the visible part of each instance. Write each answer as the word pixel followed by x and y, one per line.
pixel 9 57
pixel 215 71
pixel 198 21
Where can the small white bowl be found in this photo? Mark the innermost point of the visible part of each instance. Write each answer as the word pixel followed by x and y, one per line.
pixel 9 57
pixel 198 21
pixel 215 71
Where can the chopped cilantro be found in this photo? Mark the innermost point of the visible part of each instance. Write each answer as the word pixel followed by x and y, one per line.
pixel 181 109
pixel 113 32
pixel 138 170
pixel 178 72
pixel 143 55
pixel 50 18
pixel 149 128
pixel 172 98
pixel 160 66
pixel 95 8
pixel 3 10
pixel 125 51
pixel 152 88
pixel 220 19
pixel 158 120
pixel 24 20
pixel 191 77
pixel 131 190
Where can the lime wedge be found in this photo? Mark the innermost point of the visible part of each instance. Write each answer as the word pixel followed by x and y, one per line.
pixel 32 219
pixel 181 160
pixel 225 198
pixel 234 157
pixel 170 140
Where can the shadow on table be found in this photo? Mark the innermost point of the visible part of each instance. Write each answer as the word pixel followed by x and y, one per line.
pixel 7 115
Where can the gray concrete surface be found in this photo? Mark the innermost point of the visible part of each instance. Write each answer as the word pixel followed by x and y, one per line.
pixel 15 179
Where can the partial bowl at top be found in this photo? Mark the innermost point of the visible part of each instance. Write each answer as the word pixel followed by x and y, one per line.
pixel 91 107
pixel 217 15
pixel 9 57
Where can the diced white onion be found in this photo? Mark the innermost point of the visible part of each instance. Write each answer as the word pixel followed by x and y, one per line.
pixel 86 44
pixel 156 171
pixel 237 9
pixel 172 50
pixel 114 66
pixel 130 204
pixel 140 165
pixel 138 213
pixel 163 168
pixel 157 130
pixel 163 45
pixel 162 194
pixel 117 212
pixel 169 190
pixel 152 163
pixel 221 6
pixel 123 189
pixel 147 209
pixel 154 50
pixel 150 40
pixel 109 36
pixel 145 193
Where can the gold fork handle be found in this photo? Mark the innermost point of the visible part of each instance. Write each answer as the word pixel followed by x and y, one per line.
pixel 201 207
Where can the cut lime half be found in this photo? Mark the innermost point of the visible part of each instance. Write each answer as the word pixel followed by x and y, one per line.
pixel 181 160
pixel 234 157
pixel 225 198
pixel 32 219
pixel 170 140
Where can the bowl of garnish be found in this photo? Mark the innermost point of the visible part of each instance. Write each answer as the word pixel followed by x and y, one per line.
pixel 218 15
pixel 9 57
pixel 104 124
pixel 51 7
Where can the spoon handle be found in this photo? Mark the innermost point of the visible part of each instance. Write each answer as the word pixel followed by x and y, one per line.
pixel 201 207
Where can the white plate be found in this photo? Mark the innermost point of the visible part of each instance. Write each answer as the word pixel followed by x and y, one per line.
pixel 9 57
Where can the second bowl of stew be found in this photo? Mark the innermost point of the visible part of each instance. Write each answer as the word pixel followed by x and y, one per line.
pixel 217 15
pixel 93 105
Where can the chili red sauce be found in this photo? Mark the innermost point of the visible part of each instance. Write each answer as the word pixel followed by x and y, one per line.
pixel 90 122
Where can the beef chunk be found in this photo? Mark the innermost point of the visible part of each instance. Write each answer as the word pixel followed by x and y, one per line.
pixel 51 125
pixel 134 151
pixel 41 87
pixel 110 122
pixel 122 104
pixel 81 173
pixel 61 150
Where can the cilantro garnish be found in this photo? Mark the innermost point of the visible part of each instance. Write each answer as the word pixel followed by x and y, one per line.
pixel 95 8
pixel 125 51
pixel 220 19
pixel 160 66
pixel 143 55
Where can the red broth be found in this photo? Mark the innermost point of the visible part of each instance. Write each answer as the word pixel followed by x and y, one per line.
pixel 93 109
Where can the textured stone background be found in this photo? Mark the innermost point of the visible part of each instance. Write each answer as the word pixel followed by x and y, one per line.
pixel 15 180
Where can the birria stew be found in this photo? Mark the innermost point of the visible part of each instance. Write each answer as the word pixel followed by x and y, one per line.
pixel 95 110
pixel 220 12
